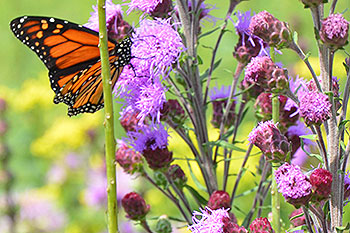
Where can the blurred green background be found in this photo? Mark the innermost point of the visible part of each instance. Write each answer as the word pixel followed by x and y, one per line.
pixel 57 161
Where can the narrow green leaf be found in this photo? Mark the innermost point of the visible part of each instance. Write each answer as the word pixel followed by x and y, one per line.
pixel 310 136
pixel 196 195
pixel 208 33
pixel 194 178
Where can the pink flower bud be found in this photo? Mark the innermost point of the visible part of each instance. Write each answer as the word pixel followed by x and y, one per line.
pixel 321 181
pixel 334 31
pixel 219 199
pixel 260 225
pixel 135 206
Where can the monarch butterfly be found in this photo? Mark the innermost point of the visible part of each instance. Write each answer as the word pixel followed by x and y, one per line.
pixel 71 54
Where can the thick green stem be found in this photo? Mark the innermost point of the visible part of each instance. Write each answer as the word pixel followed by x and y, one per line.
pixel 112 210
pixel 275 197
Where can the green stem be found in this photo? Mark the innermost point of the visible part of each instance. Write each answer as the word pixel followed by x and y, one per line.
pixel 275 197
pixel 112 204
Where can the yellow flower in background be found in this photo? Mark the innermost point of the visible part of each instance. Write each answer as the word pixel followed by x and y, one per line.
pixel 34 93
pixel 65 133
pixel 338 69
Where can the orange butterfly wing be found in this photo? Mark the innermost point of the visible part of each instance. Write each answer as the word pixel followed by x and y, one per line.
pixel 70 52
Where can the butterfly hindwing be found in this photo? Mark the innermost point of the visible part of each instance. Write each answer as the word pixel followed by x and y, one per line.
pixel 70 52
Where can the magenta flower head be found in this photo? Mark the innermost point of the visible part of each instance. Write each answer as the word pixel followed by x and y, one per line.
pixel 211 221
pixel 155 8
pixel 219 199
pixel 272 31
pixel 117 27
pixel 299 221
pixel 314 107
pixel 151 142
pixel 129 120
pixel 248 45
pixel 261 225
pixel 321 181
pixel 334 31
pixel 129 160
pixel 263 72
pixel 313 3
pixel 157 44
pixel 135 206
pixel 270 141
pixel 218 99
pixel 293 184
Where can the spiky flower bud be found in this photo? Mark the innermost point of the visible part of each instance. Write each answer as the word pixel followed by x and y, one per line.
pixel 293 184
pixel 271 142
pixel 177 175
pixel 263 72
pixel 219 199
pixel 261 225
pixel 163 225
pixel 173 111
pixel 274 32
pixel 158 158
pixel 334 31
pixel 129 160
pixel 299 221
pixel 314 107
pixel 321 180
pixel 135 206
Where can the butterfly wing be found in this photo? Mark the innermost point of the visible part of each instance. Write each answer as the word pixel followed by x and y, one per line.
pixel 70 52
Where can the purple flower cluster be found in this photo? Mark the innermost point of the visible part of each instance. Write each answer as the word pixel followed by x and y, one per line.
pixel 149 137
pixel 335 30
pixel 156 46
pixel 293 184
pixel 211 221
pixel 314 107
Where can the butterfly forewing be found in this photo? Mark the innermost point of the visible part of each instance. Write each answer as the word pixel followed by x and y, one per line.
pixel 70 52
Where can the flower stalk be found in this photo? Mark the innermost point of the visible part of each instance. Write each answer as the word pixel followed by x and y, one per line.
pixel 112 220
pixel 275 197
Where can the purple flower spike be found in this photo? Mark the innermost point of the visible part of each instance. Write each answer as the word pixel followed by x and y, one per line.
pixel 211 221
pixel 335 31
pixel 314 107
pixel 293 184
pixel 156 44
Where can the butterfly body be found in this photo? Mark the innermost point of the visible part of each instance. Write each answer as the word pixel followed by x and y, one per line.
pixel 71 54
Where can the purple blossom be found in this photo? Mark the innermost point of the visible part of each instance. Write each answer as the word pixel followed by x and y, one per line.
pixel 293 184
pixel 347 185
pixel 243 22
pixel 147 6
pixel 334 30
pixel 211 221
pixel 222 93
pixel 300 130
pixel 257 134
pixel 149 137
pixel 314 107
pixel 156 44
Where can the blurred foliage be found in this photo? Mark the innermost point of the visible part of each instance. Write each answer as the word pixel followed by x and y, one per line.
pixel 41 136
